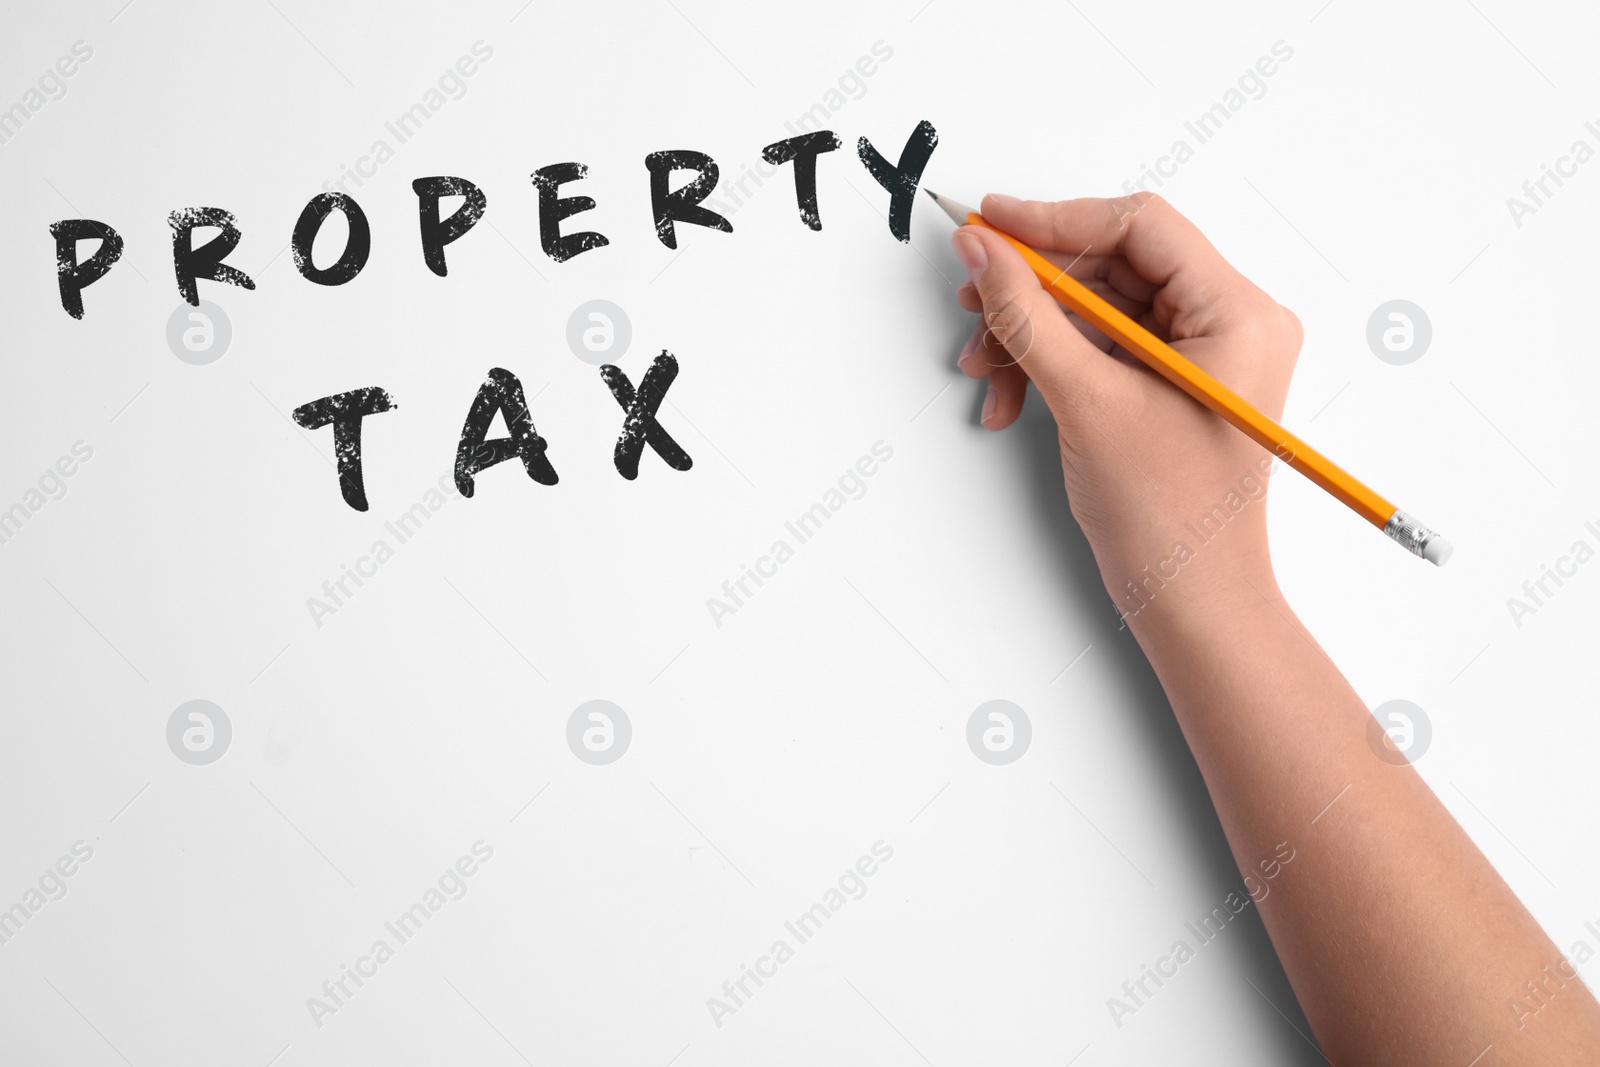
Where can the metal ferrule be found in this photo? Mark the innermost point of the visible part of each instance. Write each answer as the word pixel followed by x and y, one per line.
pixel 1411 534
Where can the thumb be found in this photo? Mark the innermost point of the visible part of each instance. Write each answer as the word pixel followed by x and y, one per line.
pixel 1019 314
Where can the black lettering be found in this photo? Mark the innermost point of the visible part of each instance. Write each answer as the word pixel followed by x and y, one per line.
pixel 683 204
pixel 345 411
pixel 190 263
pixel 639 423
pixel 436 233
pixel 804 150
pixel 902 179
pixel 502 392
pixel 357 246
pixel 72 276
pixel 553 207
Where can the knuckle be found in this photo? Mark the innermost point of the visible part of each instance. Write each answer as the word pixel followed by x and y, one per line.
pixel 1124 209
pixel 1272 320
pixel 1292 326
pixel 1145 200
pixel 1248 308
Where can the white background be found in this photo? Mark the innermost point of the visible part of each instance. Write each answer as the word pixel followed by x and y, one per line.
pixel 830 712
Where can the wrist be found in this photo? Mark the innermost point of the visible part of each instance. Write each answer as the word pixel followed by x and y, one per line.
pixel 1189 592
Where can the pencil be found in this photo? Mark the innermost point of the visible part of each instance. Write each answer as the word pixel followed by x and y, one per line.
pixel 1192 379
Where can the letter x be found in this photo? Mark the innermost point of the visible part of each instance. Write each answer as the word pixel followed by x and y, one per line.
pixel 639 424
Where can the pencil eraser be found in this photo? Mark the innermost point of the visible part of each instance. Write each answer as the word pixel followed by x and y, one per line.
pixel 1438 551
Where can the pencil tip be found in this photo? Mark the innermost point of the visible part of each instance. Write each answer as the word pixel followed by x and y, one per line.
pixel 955 209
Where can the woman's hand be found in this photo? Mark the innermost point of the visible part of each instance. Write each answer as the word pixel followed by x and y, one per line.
pixel 1149 471
pixel 1403 944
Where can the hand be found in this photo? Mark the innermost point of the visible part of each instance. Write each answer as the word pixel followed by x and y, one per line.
pixel 1155 479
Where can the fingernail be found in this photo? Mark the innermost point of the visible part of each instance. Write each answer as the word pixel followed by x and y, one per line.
pixel 1002 198
pixel 969 350
pixel 970 251
pixel 989 400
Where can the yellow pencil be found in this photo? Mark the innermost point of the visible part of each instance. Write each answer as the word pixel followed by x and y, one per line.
pixel 1186 375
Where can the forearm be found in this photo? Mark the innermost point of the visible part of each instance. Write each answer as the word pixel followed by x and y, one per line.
pixel 1401 941
pixel 1403 944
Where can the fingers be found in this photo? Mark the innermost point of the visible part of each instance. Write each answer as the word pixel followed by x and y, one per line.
pixel 1121 276
pixel 983 358
pixel 1161 246
pixel 1008 387
pixel 967 293
pixel 980 356
pixel 1148 231
pixel 1110 276
pixel 1020 316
